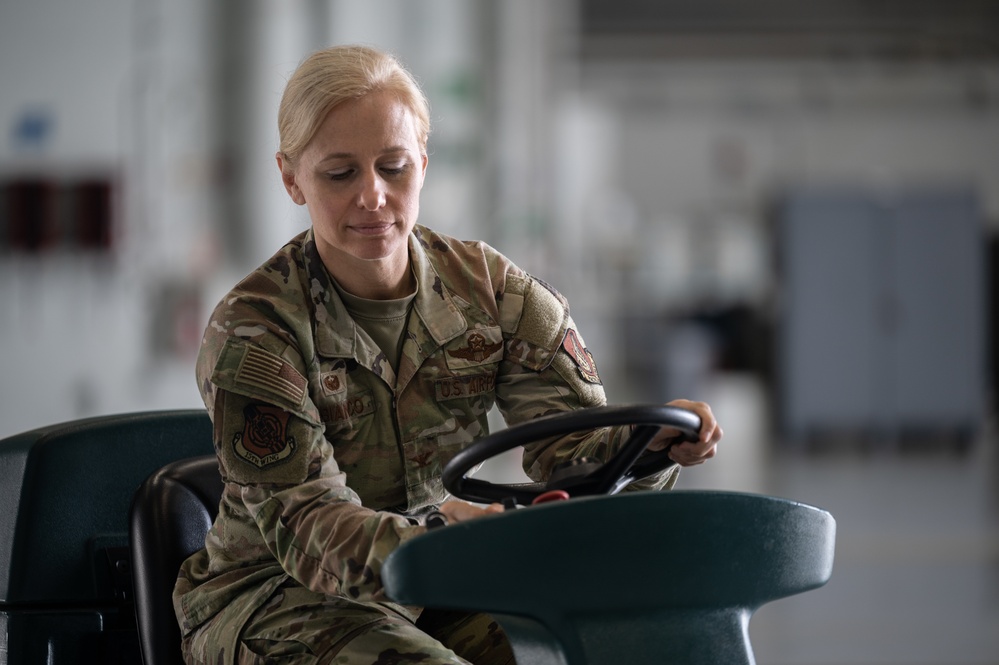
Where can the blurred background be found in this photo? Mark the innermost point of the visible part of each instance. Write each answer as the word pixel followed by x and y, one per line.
pixel 786 208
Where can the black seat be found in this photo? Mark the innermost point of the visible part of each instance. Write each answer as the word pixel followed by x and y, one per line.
pixel 65 491
pixel 171 513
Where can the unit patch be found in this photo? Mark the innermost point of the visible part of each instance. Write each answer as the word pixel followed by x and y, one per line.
pixel 454 387
pixel 264 440
pixel 581 356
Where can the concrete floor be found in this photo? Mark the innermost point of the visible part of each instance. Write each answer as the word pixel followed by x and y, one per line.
pixel 916 577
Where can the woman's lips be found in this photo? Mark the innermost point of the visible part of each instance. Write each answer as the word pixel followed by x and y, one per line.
pixel 373 229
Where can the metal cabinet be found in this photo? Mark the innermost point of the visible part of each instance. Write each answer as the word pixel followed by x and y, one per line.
pixel 882 313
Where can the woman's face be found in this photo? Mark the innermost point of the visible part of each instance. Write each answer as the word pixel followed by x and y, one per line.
pixel 360 178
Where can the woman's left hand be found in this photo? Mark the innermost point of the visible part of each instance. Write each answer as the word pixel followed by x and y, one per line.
pixel 689 453
pixel 462 511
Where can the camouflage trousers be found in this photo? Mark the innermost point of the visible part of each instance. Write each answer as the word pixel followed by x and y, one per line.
pixel 298 627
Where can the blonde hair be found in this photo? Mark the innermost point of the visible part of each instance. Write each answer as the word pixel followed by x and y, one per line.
pixel 338 74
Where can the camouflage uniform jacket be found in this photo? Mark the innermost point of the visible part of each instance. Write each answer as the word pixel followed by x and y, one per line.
pixel 324 448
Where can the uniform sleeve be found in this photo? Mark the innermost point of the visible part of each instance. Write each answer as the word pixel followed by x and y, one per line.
pixel 285 497
pixel 548 369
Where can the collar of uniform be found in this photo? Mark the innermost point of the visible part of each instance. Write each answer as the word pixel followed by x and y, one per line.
pixel 335 331
pixel 433 305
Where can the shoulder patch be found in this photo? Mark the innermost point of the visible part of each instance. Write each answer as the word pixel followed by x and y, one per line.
pixel 264 370
pixel 255 372
pixel 581 356
pixel 265 440
pixel 543 321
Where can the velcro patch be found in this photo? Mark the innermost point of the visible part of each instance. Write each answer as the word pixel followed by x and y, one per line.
pixel 543 320
pixel 479 346
pixel 354 406
pixel 260 369
pixel 581 356
pixel 264 440
pixel 334 382
pixel 454 387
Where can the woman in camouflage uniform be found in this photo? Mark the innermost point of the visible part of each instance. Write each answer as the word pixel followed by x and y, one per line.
pixel 345 372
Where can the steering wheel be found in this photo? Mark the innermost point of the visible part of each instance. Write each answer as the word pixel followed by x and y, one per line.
pixel 578 477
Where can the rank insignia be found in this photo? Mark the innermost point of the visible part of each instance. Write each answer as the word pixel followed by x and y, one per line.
pixel 581 356
pixel 264 440
pixel 477 350
pixel 334 382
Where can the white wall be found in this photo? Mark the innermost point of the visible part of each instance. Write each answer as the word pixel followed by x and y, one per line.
pixel 177 103
pixel 71 60
pixel 74 326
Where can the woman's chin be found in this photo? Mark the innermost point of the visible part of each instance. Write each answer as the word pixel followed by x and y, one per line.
pixel 377 248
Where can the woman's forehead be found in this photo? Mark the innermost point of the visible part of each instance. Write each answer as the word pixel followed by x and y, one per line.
pixel 378 121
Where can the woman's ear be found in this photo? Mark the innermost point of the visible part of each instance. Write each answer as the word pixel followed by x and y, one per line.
pixel 423 171
pixel 288 178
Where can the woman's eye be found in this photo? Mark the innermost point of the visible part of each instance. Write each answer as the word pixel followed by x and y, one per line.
pixel 394 169
pixel 387 169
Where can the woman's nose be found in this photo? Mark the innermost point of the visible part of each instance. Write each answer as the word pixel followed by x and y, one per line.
pixel 372 194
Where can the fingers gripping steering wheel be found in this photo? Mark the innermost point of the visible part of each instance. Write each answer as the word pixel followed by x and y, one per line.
pixel 578 477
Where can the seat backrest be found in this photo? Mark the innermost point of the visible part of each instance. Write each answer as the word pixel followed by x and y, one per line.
pixel 65 491
pixel 171 514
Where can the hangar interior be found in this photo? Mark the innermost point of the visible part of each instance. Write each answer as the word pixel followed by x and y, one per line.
pixel 786 209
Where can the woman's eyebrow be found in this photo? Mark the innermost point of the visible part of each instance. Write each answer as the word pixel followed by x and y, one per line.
pixel 336 155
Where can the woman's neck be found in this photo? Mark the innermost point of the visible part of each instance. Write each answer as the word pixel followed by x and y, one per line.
pixel 389 278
